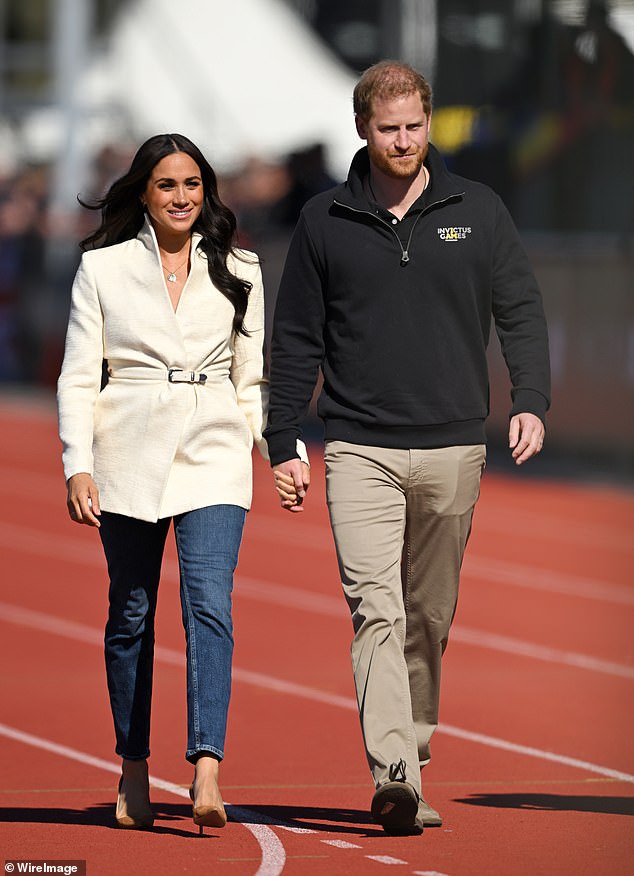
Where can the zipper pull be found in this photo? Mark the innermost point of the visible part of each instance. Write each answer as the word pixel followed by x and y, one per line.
pixel 404 257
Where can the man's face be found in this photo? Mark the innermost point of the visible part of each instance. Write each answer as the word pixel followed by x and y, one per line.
pixel 397 135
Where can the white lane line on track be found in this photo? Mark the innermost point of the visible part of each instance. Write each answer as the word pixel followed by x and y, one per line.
pixel 292 829
pixel 272 850
pixel 90 635
pixel 505 745
pixel 509 645
pixel 385 859
pixel 331 606
pixel 545 580
pixel 482 568
pixel 428 873
pixel 341 844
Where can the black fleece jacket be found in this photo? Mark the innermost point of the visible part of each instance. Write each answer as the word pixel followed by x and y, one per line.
pixel 398 314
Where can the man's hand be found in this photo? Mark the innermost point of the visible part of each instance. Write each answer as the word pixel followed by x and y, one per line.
pixel 526 436
pixel 292 479
pixel 83 499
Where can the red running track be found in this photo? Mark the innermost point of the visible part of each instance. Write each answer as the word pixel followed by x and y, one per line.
pixel 533 765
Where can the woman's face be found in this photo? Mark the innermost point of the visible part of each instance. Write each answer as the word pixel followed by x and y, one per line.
pixel 173 195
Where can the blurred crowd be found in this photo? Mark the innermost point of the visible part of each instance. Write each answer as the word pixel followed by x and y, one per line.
pixel 556 138
pixel 23 198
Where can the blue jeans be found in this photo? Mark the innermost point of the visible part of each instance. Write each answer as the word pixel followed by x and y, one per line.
pixel 207 542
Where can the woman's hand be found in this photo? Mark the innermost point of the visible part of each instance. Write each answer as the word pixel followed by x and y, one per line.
pixel 83 499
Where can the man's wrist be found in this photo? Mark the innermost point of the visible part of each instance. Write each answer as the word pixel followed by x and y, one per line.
pixel 282 447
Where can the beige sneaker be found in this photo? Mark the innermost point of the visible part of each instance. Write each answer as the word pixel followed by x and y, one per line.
pixel 426 815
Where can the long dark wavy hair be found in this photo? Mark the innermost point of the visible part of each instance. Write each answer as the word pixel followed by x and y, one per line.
pixel 122 216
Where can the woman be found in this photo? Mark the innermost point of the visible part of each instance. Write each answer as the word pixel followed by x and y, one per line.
pixel 178 316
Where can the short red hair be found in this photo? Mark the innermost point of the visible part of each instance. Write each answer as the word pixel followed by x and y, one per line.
pixel 388 80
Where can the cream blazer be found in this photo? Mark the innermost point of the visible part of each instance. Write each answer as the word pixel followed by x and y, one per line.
pixel 156 448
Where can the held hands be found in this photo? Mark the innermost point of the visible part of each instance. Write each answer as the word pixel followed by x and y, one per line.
pixel 292 479
pixel 526 437
pixel 83 500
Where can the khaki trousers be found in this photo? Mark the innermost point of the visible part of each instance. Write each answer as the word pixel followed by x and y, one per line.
pixel 401 520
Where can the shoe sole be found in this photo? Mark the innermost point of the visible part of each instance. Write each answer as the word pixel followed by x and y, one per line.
pixel 394 807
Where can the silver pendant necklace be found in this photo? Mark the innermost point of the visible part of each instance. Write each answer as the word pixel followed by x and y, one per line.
pixel 171 275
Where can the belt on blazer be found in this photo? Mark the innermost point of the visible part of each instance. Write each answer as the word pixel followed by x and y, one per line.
pixel 156 375
pixel 178 375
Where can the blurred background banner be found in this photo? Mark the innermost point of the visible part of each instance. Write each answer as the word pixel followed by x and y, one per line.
pixel 533 97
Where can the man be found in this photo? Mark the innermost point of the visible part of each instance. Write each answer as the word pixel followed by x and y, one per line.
pixel 389 286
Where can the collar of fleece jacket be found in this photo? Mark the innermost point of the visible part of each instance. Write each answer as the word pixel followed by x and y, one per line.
pixel 442 184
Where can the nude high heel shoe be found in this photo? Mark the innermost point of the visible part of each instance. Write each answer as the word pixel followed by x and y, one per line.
pixel 205 788
pixel 207 816
pixel 133 811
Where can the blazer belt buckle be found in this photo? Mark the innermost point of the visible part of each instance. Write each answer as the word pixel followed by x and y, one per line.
pixel 177 375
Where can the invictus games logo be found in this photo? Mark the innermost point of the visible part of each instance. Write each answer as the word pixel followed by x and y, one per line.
pixel 458 232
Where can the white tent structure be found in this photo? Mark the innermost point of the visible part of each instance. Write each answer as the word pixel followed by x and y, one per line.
pixel 243 78
pixel 240 78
